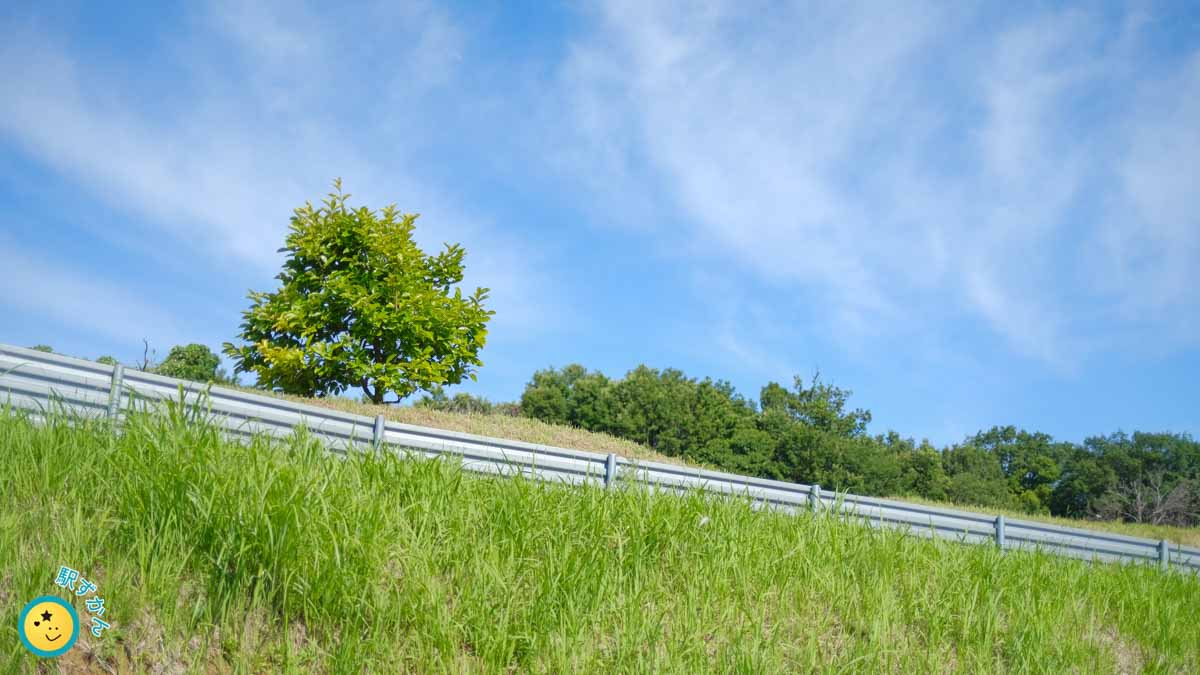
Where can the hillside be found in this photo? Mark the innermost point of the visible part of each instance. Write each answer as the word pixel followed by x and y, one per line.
pixel 216 557
pixel 500 426
pixel 536 431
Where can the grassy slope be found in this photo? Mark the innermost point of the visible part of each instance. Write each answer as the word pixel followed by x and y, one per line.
pixel 220 558
pixel 524 429
pixel 535 431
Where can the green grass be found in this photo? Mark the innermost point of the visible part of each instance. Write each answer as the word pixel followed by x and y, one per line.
pixel 217 557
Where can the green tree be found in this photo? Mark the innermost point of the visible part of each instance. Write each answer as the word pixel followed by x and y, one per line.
pixel 719 412
pixel 107 360
pixel 822 406
pixel 43 348
pixel 976 477
pixel 801 451
pixel 546 397
pixel 360 305
pixel 589 400
pixel 569 396
pixel 747 451
pixel 1030 461
pixel 1084 480
pixel 923 474
pixel 651 408
pixel 192 362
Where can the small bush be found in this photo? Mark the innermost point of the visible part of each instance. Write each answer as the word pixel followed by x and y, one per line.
pixel 461 403
pixel 194 362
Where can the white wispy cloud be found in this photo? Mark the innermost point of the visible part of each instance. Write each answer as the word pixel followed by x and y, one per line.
pixel 273 103
pixel 894 167
pixel 907 156
pixel 75 298
pixel 1151 263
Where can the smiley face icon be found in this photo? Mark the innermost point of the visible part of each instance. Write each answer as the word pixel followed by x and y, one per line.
pixel 48 626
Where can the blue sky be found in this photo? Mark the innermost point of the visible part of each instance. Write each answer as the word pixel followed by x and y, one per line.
pixel 967 215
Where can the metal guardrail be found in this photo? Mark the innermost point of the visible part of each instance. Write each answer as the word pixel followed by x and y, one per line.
pixel 30 379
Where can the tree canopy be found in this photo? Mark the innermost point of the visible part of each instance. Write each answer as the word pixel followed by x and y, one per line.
pixel 360 305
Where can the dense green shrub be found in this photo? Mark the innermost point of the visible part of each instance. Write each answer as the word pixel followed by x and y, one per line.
pixel 194 362
pixel 461 403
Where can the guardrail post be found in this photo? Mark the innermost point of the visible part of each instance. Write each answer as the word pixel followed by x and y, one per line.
pixel 1000 531
pixel 1164 554
pixel 814 497
pixel 377 432
pixel 114 392
pixel 610 470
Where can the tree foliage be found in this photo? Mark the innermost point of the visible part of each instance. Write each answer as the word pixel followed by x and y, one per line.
pixel 360 305
pixel 192 362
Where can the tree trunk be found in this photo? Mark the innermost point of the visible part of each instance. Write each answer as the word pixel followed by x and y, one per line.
pixel 376 394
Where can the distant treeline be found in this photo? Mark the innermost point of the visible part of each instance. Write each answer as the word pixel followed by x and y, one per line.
pixel 807 434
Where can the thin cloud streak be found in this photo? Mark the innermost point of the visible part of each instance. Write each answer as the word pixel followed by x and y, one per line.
pixel 73 298
pixel 878 156
pixel 255 142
